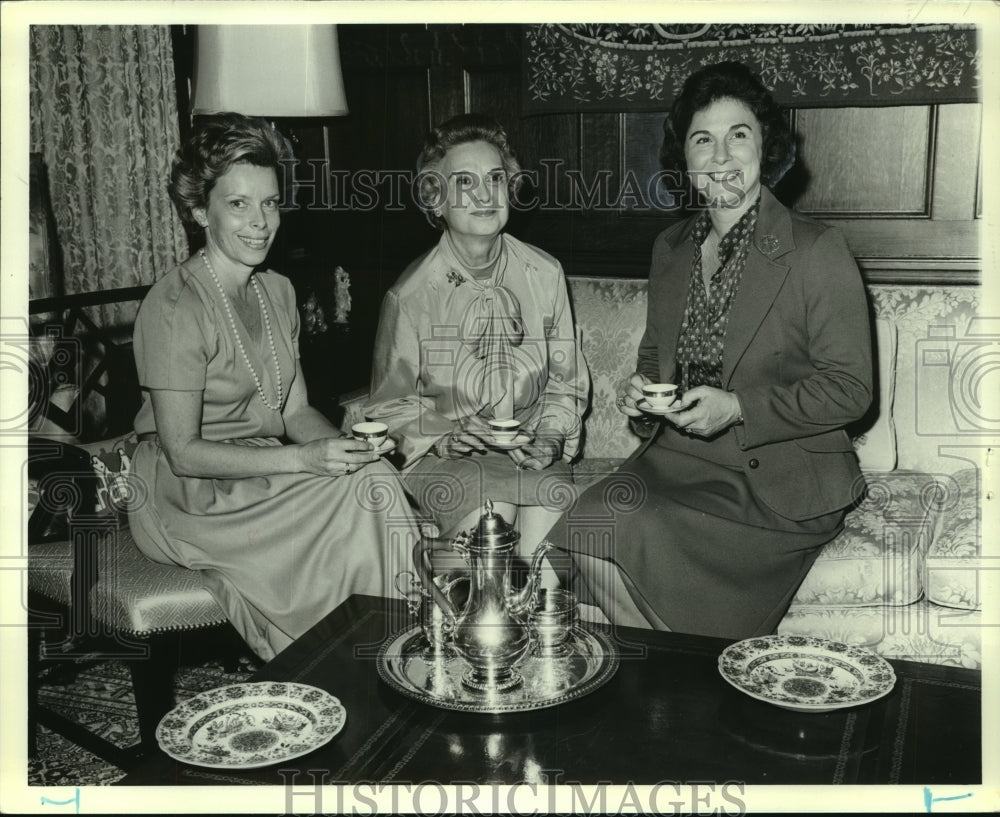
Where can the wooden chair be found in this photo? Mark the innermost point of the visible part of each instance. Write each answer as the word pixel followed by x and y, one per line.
pixel 91 591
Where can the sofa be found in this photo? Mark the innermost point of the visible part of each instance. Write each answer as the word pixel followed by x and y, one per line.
pixel 907 576
pixel 903 578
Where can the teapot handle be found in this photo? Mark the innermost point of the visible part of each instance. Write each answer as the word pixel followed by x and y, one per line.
pixel 422 563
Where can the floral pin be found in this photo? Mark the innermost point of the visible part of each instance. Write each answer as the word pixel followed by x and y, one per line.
pixel 768 243
pixel 455 278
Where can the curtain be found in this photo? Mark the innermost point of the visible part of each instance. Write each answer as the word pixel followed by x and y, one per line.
pixel 104 116
pixel 603 67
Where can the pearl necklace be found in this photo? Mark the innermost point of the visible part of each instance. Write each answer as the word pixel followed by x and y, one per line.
pixel 236 334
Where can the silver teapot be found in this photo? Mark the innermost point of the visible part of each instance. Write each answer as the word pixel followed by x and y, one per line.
pixel 491 632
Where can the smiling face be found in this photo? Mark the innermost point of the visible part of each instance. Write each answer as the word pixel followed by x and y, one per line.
pixel 476 202
pixel 242 217
pixel 723 149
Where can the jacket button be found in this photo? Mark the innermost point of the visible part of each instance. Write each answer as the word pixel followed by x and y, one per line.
pixel 754 463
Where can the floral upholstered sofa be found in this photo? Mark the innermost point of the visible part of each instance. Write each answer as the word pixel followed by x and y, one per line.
pixel 904 576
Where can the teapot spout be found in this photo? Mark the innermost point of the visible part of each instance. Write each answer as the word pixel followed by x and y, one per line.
pixel 525 600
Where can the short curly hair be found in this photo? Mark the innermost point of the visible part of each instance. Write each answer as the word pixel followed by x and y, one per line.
pixel 219 142
pixel 729 80
pixel 467 127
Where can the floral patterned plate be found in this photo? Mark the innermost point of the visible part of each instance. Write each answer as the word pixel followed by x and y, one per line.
pixel 806 674
pixel 244 726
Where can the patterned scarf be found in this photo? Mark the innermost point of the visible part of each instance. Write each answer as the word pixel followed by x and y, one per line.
pixel 706 315
pixel 491 326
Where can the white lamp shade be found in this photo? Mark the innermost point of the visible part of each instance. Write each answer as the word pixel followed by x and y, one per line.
pixel 269 70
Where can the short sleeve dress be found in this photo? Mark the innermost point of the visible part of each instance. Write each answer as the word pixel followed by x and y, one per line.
pixel 278 552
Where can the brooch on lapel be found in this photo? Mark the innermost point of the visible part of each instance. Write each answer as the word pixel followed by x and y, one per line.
pixel 768 243
pixel 455 278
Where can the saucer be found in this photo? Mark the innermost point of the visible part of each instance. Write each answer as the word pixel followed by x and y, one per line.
pixel 522 438
pixel 388 444
pixel 674 407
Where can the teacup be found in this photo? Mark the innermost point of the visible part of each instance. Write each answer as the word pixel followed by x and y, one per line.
pixel 376 433
pixel 553 620
pixel 659 395
pixel 504 431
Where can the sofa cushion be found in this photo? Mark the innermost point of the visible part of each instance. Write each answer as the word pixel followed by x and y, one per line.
pixel 875 442
pixel 915 632
pixel 954 565
pixel 112 463
pixel 611 316
pixel 877 558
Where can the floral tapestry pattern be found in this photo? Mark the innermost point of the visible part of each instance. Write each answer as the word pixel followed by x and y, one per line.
pixel 605 67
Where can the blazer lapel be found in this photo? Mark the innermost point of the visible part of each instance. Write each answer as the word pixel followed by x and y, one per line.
pixel 675 281
pixel 762 278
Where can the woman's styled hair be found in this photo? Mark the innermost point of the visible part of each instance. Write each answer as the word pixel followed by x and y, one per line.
pixel 221 141
pixel 468 127
pixel 729 80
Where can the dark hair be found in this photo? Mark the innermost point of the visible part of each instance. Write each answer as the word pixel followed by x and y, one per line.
pixel 219 142
pixel 467 127
pixel 729 80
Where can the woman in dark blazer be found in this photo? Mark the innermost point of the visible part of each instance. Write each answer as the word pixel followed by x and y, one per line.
pixel 759 315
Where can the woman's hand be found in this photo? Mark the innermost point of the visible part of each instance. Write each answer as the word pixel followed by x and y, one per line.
pixel 630 393
pixel 466 438
pixel 332 457
pixel 705 411
pixel 541 452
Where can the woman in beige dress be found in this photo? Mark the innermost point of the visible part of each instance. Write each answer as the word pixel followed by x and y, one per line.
pixel 236 475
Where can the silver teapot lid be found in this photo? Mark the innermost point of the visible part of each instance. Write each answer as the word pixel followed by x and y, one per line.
pixel 492 529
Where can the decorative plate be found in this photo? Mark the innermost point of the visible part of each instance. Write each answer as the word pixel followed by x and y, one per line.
pixel 522 438
pixel 642 405
pixel 806 674
pixel 244 726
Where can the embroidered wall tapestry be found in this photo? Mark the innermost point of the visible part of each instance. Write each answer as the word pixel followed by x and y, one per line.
pixel 616 67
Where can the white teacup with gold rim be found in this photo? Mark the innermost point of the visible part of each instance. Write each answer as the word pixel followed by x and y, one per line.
pixel 659 395
pixel 504 431
pixel 375 433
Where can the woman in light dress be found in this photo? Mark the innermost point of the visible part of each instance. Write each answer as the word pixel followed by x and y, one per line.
pixel 236 475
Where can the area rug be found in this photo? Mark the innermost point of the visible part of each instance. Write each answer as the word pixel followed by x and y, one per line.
pixel 100 698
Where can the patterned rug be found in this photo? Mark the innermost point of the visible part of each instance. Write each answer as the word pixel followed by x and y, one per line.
pixel 100 698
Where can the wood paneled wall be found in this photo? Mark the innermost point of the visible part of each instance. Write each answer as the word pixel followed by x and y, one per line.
pixel 902 182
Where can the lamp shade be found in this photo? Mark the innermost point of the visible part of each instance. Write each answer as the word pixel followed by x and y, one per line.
pixel 272 71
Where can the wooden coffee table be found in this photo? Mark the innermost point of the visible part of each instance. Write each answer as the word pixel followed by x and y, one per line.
pixel 667 715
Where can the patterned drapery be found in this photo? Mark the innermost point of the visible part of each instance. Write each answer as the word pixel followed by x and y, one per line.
pixel 104 116
pixel 613 67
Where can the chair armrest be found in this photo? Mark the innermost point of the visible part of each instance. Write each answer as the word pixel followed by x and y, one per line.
pixel 66 487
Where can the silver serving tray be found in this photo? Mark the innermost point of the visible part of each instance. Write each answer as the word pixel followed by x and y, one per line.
pixel 590 661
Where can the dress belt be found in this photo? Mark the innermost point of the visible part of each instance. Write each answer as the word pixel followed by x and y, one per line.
pixel 148 437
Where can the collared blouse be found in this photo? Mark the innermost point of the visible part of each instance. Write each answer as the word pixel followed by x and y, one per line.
pixel 451 346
